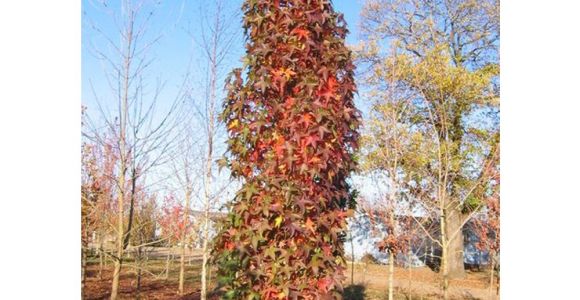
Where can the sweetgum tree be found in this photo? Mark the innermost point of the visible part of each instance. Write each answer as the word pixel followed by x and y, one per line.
pixel 292 128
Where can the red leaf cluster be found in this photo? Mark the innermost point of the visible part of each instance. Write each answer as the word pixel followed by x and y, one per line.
pixel 171 220
pixel 292 128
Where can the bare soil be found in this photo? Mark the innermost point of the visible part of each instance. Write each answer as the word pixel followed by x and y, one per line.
pixel 153 283
pixel 417 283
pixel 370 283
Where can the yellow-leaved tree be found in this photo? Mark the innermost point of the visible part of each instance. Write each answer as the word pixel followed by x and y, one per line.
pixel 431 71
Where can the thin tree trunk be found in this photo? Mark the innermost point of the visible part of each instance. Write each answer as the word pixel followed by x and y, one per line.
pixel 445 276
pixel 100 265
pixel 410 296
pixel 210 136
pixel 182 270
pixel 498 279
pixel 139 266
pixel 391 273
pixel 444 257
pixel 491 295
pixel 100 258
pixel 123 161
pixel 207 189
pixel 392 232
pixel 209 276
pixel 119 259
pixel 138 284
pixel 116 277
pixel 204 261
pixel 167 265
pixel 352 259
pixel 133 181
pixel 83 271
pixel 105 259
pixel 183 240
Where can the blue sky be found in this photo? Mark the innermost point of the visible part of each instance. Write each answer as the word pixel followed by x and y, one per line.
pixel 172 20
pixel 175 22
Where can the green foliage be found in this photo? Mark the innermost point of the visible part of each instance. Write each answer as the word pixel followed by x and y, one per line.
pixel 229 264
pixel 471 203
pixel 292 129
pixel 434 119
pixel 434 123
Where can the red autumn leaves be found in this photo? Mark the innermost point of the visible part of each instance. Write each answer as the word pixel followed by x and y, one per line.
pixel 173 226
pixel 292 129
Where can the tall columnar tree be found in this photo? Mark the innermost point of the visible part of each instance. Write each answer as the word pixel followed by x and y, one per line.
pixel 292 128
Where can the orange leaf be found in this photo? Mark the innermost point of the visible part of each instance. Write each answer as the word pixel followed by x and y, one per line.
pixel 310 225
pixel 324 284
pixel 301 33
pixel 289 102
pixel 314 160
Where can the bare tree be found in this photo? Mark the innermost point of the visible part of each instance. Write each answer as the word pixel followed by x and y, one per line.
pixel 142 132
pixel 387 140
pixel 185 171
pixel 215 41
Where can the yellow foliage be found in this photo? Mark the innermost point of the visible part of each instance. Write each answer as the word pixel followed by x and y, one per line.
pixel 278 221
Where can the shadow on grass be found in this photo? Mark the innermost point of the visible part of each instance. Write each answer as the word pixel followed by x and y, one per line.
pixel 354 292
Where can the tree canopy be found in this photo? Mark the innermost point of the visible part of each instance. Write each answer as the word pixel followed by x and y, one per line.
pixel 292 128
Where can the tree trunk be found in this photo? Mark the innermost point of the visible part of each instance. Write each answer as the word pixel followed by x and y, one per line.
pixel 409 282
pixel 100 260
pixel 209 159
pixel 139 266
pixel 444 256
pixel 445 276
pixel 456 268
pixel 391 273
pixel 167 265
pixel 116 277
pixel 352 259
pixel 498 279
pixel 120 230
pixel 183 240
pixel 209 276
pixel 207 193
pixel 83 271
pixel 105 259
pixel 204 262
pixel 491 295
pixel 182 270
pixel 123 119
